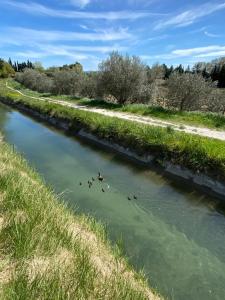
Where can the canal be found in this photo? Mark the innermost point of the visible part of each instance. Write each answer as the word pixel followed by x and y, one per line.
pixel 172 232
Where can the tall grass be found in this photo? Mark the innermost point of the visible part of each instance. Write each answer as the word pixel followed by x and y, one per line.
pixel 195 152
pixel 47 252
pixel 206 119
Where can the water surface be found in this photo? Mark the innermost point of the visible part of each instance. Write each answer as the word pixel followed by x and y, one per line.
pixel 172 232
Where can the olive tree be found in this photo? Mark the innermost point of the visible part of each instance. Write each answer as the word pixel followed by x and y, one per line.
pixel 188 91
pixel 67 83
pixel 35 80
pixel 216 101
pixel 89 85
pixel 123 77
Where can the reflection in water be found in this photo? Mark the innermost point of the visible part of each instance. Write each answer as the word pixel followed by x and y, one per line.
pixel 177 235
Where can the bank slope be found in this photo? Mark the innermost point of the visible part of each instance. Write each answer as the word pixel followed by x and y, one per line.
pixel 47 252
pixel 199 154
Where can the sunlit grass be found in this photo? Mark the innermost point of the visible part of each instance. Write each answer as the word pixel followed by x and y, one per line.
pixel 207 119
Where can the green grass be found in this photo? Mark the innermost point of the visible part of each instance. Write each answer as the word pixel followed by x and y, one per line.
pixel 195 152
pixel 210 120
pixel 47 252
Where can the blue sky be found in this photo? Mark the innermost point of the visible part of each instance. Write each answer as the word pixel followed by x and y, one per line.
pixel 64 31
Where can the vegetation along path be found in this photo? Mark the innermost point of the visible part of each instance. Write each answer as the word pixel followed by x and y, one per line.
pixel 205 132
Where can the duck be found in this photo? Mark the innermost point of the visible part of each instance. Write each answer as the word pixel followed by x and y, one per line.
pixel 93 179
pixel 100 178
pixel 129 198
pixel 135 197
pixel 80 183
pixel 103 190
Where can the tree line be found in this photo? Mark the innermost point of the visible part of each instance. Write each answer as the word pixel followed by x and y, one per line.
pixel 126 79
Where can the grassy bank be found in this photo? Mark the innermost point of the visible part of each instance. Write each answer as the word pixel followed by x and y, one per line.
pixel 210 120
pixel 195 152
pixel 47 252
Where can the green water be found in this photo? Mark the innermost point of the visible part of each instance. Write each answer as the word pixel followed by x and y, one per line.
pixel 172 232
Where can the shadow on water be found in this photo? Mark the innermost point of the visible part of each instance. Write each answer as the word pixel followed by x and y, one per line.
pixel 171 231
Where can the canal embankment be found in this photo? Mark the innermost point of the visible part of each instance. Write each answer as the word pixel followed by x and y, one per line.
pixel 197 160
pixel 49 252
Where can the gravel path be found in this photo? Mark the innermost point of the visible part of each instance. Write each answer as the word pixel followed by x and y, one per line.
pixel 202 131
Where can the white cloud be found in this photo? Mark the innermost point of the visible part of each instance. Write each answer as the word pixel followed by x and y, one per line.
pixel 80 3
pixel 32 35
pixel 211 34
pixel 199 51
pixel 61 49
pixel 84 27
pixel 190 53
pixel 212 54
pixel 159 37
pixel 190 16
pixel 38 9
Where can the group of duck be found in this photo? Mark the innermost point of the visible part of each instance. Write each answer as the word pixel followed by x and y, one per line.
pixel 101 178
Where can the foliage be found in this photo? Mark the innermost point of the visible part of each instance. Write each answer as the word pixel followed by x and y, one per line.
pixel 35 80
pixel 5 69
pixel 19 67
pixel 188 91
pixel 67 83
pixel 123 77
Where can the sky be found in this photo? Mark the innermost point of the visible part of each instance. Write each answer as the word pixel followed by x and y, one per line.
pixel 65 31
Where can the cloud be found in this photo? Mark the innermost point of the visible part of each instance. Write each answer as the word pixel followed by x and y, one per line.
pixel 32 35
pixel 159 37
pixel 199 51
pixel 42 54
pixel 190 53
pixel 211 34
pixel 61 49
pixel 38 9
pixel 80 3
pixel 188 17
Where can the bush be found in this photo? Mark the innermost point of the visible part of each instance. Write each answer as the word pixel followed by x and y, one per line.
pixel 35 80
pixel 123 77
pixel 188 91
pixel 5 69
pixel 67 83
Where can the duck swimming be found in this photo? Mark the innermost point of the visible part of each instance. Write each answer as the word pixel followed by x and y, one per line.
pixel 100 178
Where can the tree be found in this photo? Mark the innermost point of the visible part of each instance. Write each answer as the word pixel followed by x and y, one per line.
pixel 122 77
pixel 67 83
pixel 157 71
pixel 221 79
pixel 216 102
pixel 38 66
pixel 188 91
pixel 35 80
pixel 5 69
pixel 179 69
pixel 89 85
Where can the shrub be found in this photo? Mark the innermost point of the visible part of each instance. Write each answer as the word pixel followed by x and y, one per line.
pixel 188 91
pixel 123 77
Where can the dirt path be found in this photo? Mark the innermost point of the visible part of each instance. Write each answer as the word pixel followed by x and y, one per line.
pixel 205 132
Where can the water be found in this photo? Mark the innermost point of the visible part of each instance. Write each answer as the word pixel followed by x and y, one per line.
pixel 174 233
